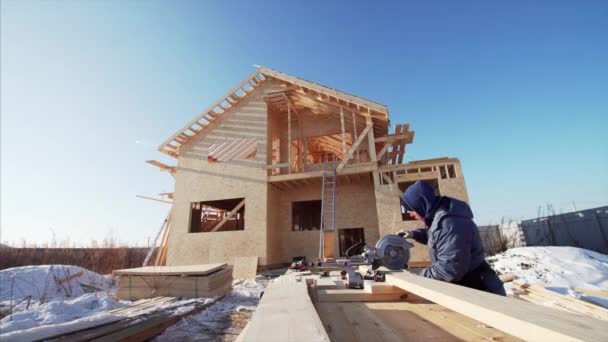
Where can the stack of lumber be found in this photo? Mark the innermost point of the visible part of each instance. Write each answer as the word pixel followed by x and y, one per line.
pixel 538 294
pixel 140 321
pixel 193 281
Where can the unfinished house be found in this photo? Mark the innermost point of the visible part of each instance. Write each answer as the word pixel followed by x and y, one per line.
pixel 282 167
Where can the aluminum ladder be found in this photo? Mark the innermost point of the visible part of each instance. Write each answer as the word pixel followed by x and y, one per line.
pixel 328 201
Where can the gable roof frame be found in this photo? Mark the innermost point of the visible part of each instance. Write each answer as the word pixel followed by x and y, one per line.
pixel 172 145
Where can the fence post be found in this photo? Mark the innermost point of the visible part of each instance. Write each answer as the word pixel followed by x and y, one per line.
pixel 551 236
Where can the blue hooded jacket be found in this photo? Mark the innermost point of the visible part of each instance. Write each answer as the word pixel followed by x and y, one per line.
pixel 452 237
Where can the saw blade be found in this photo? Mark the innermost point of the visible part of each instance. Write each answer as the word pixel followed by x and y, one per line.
pixel 395 257
pixel 394 252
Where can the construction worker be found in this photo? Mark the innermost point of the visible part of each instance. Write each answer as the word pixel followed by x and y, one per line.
pixel 452 237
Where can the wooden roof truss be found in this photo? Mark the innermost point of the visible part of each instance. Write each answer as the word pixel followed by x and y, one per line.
pixel 315 97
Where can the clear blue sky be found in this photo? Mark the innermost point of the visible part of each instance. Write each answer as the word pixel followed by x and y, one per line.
pixel 517 90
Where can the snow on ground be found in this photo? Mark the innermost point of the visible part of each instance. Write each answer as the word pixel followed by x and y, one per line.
pixel 560 269
pixel 59 311
pixel 44 283
pixel 36 295
pixel 84 300
pixel 223 320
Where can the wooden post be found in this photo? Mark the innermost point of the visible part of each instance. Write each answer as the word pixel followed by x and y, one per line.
pixel 300 147
pixel 372 148
pixel 355 133
pixel 343 133
pixel 289 136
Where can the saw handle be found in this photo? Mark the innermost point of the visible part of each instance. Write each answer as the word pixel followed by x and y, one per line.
pixel 351 250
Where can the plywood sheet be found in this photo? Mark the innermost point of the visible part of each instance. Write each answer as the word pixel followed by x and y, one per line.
pixel 171 270
pixel 245 267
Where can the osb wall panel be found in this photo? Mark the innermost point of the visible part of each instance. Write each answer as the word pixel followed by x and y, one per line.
pixel 355 209
pixel 198 180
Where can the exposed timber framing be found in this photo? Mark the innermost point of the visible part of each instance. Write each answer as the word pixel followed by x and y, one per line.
pixel 237 208
pixel 355 145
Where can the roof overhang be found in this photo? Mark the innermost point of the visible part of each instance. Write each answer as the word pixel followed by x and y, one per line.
pixel 378 112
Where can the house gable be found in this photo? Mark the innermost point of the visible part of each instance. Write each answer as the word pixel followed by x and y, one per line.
pixel 378 112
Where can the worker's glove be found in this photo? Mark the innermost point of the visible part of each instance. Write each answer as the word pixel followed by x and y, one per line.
pixel 406 234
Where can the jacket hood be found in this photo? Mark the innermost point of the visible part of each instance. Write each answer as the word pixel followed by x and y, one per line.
pixel 420 197
pixel 454 207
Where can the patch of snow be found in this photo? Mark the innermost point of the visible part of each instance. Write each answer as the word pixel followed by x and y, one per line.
pixel 559 269
pixel 43 283
pixel 51 294
pixel 60 311
pixel 216 319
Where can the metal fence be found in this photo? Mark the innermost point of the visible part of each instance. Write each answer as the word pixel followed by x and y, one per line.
pixel 585 229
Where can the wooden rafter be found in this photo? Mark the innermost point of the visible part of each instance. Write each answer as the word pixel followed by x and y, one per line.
pixel 162 167
pixel 313 95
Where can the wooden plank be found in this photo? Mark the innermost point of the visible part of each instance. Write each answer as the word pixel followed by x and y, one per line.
pixel 245 267
pixel 161 166
pixel 338 327
pixel 352 295
pixel 153 199
pixel 568 303
pixel 427 321
pixel 150 327
pixel 523 320
pixel 594 293
pixel 392 138
pixel 171 270
pixel 285 314
pixel 230 214
pixel 356 144
pixel 368 326
pixel 383 150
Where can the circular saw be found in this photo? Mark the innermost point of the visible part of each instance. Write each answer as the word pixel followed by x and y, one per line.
pixel 391 251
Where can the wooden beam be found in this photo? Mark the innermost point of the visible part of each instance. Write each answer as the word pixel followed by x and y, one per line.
pixel 355 134
pixel 276 166
pixel 372 150
pixel 289 137
pixel 161 166
pixel 343 132
pixel 153 199
pixel 408 136
pixel 525 320
pixel 355 145
pixel 237 208
pixel 383 150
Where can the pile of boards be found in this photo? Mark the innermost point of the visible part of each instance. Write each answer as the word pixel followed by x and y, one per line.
pixel 537 293
pixel 192 281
